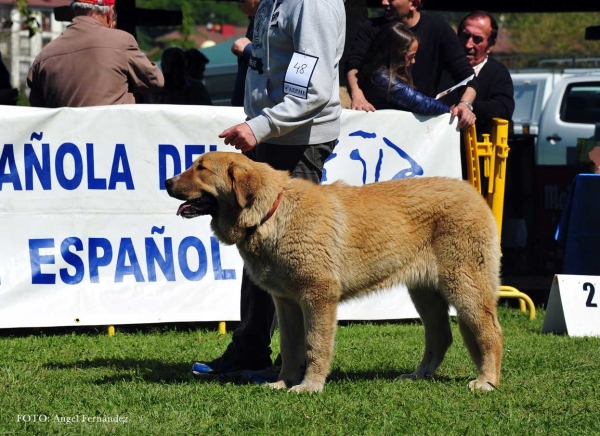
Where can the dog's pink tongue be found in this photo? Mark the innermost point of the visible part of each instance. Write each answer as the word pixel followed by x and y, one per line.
pixel 183 207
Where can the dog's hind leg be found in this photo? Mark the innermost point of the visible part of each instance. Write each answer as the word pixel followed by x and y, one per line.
pixel 293 351
pixel 470 342
pixel 482 334
pixel 320 324
pixel 433 310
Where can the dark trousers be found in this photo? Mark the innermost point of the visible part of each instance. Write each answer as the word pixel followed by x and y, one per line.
pixel 251 343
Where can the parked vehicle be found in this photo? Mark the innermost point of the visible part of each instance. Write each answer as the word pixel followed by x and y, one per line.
pixel 557 108
pixel 220 80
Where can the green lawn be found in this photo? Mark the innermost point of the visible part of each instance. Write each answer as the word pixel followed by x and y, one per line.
pixel 550 385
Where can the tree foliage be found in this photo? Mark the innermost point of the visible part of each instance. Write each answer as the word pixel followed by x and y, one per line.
pixel 202 11
pixel 530 33
pixel 30 22
pixel 195 12
pixel 552 33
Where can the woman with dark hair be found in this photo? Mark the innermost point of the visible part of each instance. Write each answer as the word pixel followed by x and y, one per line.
pixel 386 78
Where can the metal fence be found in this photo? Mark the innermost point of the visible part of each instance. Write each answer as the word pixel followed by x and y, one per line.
pixel 553 61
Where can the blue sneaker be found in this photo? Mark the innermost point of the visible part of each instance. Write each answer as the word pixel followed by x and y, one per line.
pixel 201 368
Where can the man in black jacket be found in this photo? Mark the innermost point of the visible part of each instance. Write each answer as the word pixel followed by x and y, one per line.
pixel 477 33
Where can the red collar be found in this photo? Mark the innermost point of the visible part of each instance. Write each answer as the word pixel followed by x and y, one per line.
pixel 273 209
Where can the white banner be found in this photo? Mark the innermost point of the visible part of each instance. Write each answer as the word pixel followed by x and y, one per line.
pixel 89 236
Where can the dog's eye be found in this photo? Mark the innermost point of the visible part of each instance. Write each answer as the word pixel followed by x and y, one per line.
pixel 199 167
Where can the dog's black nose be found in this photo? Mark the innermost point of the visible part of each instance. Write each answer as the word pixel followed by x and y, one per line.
pixel 168 183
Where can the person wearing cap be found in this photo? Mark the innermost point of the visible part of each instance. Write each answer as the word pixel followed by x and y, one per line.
pixel 91 63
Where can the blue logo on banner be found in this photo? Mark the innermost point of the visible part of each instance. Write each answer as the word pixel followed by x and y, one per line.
pixel 412 171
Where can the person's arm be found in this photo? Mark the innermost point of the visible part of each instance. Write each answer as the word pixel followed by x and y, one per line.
pixel 360 45
pixel 456 63
pixel 500 103
pixel 464 109
pixel 407 98
pixel 35 95
pixel 242 48
pixel 355 61
pixel 247 53
pixel 359 101
pixel 317 28
pixel 144 74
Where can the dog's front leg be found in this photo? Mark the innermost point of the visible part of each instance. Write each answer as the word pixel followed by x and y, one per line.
pixel 320 323
pixel 291 332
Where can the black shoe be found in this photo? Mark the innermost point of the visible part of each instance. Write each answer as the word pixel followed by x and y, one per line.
pixel 267 375
pixel 223 365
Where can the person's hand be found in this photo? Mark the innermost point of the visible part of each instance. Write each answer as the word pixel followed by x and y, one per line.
pixel 240 136
pixel 466 117
pixel 238 46
pixel 360 103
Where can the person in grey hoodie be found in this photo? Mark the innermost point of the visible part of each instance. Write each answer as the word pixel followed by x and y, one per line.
pixel 293 107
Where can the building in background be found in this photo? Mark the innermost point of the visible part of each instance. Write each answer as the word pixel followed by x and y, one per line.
pixel 204 36
pixel 18 49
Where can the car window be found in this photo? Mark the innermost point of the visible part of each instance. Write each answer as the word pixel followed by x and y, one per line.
pixel 529 99
pixel 581 103
pixel 524 101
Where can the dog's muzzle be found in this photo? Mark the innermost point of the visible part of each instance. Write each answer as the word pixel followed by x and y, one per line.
pixel 205 205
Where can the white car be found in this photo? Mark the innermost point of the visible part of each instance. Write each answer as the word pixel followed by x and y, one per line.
pixel 571 112
pixel 558 108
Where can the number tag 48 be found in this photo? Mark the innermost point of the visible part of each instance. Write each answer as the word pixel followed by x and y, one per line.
pixel 298 74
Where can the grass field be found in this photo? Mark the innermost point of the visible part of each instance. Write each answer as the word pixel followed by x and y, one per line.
pixel 550 385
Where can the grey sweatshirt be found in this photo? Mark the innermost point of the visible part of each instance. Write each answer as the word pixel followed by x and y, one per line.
pixel 292 85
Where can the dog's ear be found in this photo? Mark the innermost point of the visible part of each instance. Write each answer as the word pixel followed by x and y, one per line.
pixel 245 182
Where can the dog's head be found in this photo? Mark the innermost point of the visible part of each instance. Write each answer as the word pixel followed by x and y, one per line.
pixel 233 189
pixel 214 177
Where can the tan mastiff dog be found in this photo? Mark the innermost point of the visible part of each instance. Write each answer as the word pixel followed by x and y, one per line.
pixel 313 246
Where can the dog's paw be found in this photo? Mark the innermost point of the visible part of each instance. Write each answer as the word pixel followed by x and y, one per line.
pixel 308 387
pixel 277 385
pixel 484 386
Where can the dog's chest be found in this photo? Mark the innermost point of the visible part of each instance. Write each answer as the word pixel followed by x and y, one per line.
pixel 270 273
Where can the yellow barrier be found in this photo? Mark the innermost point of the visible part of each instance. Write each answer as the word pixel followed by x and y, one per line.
pixel 494 154
pixel 222 329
